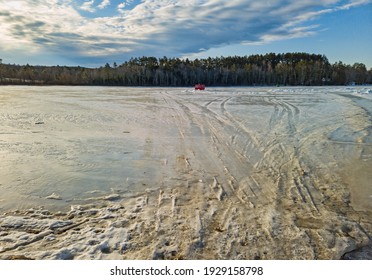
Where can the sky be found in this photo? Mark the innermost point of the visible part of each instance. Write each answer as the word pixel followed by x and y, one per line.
pixel 91 33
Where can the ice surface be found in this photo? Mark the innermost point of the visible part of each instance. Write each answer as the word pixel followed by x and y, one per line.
pixel 255 172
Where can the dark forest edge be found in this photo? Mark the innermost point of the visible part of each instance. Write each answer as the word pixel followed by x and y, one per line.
pixel 292 69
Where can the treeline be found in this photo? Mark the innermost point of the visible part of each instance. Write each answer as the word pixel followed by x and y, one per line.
pixel 269 69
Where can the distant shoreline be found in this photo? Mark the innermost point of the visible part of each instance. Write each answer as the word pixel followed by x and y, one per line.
pixel 286 69
pixel 190 86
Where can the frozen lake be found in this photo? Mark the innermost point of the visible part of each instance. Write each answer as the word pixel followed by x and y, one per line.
pixel 79 143
pixel 174 173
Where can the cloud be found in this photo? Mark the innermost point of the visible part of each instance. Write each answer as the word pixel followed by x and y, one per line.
pixel 104 4
pixel 156 28
pixel 88 6
pixel 123 4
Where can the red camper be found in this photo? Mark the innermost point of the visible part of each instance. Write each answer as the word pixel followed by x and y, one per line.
pixel 199 87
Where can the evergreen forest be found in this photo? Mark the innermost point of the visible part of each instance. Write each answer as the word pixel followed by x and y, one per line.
pixel 287 69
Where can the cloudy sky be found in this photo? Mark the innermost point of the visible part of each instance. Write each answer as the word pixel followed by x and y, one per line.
pixel 93 32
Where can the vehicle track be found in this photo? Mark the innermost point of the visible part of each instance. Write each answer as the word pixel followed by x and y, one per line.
pixel 244 174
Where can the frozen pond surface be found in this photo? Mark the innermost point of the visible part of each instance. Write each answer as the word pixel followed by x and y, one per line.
pixel 265 166
pixel 75 143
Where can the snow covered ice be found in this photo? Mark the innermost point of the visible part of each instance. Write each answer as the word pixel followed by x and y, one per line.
pixel 168 173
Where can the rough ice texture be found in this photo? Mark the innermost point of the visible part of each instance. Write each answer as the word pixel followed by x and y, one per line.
pixel 241 173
